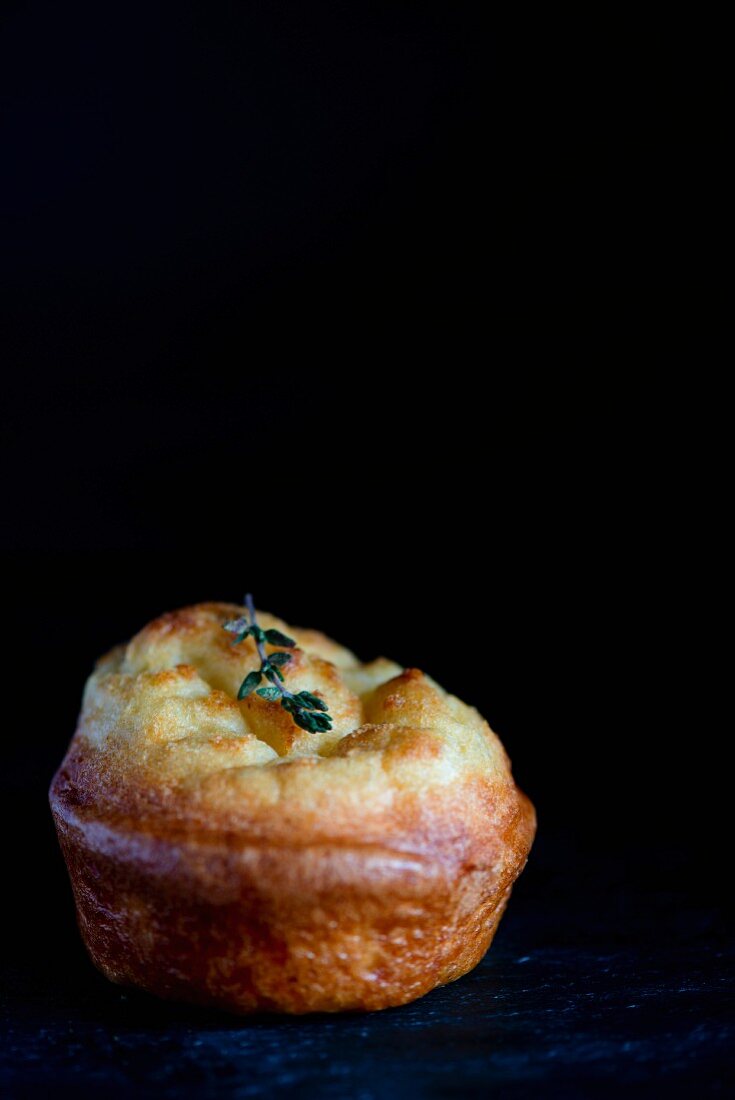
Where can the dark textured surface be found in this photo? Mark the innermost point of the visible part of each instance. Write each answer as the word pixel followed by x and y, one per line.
pixel 603 980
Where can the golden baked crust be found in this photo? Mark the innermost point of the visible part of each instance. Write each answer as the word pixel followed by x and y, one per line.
pixel 220 854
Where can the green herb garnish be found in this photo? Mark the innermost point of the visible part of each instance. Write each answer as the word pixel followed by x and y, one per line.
pixel 307 710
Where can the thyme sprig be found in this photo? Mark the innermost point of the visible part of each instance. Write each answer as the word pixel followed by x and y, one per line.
pixel 307 710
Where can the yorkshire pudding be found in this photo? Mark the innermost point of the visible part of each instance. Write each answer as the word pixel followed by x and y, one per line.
pixel 220 854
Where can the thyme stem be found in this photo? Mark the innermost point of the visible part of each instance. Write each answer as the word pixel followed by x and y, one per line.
pixel 307 710
pixel 250 604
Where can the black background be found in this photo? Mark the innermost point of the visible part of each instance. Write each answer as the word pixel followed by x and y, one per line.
pixel 398 316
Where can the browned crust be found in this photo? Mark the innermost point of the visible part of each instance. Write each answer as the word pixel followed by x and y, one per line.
pixel 290 929
pixel 278 887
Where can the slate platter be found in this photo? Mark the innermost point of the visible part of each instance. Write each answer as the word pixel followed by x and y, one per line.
pixel 598 981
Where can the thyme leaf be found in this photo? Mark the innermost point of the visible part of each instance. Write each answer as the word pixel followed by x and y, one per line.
pixel 308 711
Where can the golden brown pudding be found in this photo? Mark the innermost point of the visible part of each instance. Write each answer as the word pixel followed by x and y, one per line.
pixel 220 854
